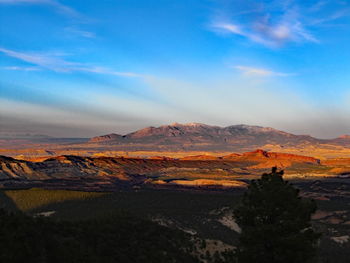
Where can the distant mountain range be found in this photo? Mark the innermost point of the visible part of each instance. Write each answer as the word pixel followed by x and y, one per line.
pixel 197 136
pixel 180 139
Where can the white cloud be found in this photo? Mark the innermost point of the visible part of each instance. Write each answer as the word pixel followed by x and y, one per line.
pixel 16 68
pixel 267 34
pixel 102 70
pixel 260 72
pixel 227 27
pixel 55 62
pixel 48 61
pixel 231 28
pixel 271 25
pixel 55 4
pixel 79 32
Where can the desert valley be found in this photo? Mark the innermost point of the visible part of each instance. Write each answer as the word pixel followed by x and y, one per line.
pixel 201 168
pixel 174 131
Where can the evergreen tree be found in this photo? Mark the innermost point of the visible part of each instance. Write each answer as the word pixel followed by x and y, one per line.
pixel 275 223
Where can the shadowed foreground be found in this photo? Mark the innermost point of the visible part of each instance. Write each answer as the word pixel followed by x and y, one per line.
pixel 116 238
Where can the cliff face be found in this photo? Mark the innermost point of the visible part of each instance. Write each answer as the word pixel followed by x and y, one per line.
pixel 282 160
pixel 261 154
pixel 61 167
pixel 14 169
pixel 136 170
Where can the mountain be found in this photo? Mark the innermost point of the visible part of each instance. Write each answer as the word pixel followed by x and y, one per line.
pixel 197 136
pixel 184 139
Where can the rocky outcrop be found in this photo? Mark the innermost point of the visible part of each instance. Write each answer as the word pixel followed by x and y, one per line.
pixel 137 169
pixel 60 167
pixel 264 159
pixel 106 138
pixel 261 154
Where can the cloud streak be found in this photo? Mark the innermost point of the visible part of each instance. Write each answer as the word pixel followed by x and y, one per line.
pixel 16 68
pixel 61 8
pixel 275 24
pixel 265 33
pixel 79 32
pixel 260 72
pixel 55 62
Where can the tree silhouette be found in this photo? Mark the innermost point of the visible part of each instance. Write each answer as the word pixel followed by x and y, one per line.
pixel 275 223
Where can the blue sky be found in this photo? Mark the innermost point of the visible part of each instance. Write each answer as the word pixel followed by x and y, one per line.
pixel 84 68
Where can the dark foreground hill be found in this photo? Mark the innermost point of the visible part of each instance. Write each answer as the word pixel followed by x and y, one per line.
pixel 114 238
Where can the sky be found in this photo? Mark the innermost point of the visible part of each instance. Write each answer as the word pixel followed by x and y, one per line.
pixel 86 68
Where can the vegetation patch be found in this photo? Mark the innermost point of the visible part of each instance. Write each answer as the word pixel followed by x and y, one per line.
pixel 27 200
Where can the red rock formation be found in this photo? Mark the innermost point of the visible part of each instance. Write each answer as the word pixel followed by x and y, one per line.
pixel 200 157
pixel 280 156
pixel 232 156
pixel 264 159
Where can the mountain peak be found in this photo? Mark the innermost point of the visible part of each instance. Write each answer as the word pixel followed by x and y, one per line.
pixel 190 124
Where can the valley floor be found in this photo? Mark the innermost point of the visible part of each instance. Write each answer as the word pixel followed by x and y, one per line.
pixel 204 214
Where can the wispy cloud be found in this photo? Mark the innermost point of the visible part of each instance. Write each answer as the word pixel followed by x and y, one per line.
pixel 78 32
pixel 268 34
pixel 262 34
pixel 331 17
pixel 260 72
pixel 276 23
pixel 61 8
pixel 106 71
pixel 47 61
pixel 318 5
pixel 16 68
pixel 56 62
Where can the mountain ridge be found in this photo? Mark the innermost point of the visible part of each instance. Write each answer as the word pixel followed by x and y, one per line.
pixel 200 136
pixel 202 126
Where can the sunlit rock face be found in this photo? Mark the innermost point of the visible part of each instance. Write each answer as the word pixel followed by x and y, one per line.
pixel 190 171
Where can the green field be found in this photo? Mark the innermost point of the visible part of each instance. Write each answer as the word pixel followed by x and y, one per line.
pixel 28 200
